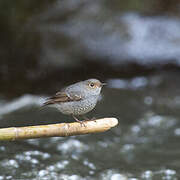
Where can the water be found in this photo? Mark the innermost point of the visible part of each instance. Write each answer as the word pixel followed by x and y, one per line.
pixel 46 45
pixel 145 144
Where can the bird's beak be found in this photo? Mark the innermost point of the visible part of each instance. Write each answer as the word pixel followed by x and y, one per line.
pixel 103 84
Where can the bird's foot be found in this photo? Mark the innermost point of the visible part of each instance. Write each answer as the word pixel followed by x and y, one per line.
pixel 81 122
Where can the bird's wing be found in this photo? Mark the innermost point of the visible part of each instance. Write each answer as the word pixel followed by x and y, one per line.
pixel 63 97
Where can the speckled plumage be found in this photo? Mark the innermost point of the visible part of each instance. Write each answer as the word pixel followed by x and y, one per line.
pixel 77 99
pixel 77 107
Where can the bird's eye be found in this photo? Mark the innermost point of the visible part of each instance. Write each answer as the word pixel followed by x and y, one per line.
pixel 91 85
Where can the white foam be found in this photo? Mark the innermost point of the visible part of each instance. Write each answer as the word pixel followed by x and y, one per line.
pixel 153 38
pixel 134 83
pixel 23 101
pixel 129 37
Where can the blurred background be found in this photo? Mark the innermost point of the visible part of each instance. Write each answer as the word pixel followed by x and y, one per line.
pixel 132 45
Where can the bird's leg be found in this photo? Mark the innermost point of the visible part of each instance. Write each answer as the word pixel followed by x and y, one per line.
pixel 81 122
pixel 76 118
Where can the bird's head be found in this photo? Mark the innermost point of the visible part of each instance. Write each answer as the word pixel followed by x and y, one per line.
pixel 93 86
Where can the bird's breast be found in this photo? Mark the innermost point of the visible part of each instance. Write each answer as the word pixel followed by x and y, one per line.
pixel 78 107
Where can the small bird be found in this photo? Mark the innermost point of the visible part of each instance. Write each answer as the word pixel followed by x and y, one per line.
pixel 77 99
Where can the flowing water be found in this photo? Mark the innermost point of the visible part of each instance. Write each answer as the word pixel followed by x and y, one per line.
pixel 145 144
pixel 132 45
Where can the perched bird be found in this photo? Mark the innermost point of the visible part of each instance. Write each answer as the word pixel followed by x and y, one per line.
pixel 77 99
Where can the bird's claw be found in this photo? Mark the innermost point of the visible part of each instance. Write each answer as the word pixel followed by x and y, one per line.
pixel 81 122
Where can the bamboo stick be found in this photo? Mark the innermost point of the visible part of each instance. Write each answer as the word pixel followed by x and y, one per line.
pixel 54 130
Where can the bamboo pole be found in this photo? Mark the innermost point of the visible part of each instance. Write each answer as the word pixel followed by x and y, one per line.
pixel 55 130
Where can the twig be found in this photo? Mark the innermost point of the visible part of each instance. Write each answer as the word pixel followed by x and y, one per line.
pixel 53 130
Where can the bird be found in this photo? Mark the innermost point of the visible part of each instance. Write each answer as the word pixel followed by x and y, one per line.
pixel 77 99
